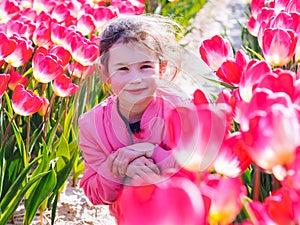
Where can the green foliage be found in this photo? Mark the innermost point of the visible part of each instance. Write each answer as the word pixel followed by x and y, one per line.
pixel 181 11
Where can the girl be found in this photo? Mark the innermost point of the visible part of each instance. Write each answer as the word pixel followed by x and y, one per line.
pixel 124 139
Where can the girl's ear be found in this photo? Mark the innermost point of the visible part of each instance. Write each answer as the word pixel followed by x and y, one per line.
pixel 163 67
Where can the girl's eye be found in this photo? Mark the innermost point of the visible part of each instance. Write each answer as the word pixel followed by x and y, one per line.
pixel 146 67
pixel 123 68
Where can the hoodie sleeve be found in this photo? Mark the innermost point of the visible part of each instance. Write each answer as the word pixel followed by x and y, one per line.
pixel 98 183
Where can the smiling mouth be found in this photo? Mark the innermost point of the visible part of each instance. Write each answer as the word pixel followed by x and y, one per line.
pixel 136 91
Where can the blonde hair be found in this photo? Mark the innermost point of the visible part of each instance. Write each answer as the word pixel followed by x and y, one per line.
pixel 156 32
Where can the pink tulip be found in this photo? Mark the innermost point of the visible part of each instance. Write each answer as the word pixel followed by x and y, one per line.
pixel 280 81
pixel 254 24
pixel 83 51
pixel 226 195
pixel 63 87
pixel 253 74
pixel 278 46
pixel 267 123
pixel 4 79
pixel 46 67
pixel 42 36
pixel 196 133
pixel 293 6
pixel 7 45
pixel 175 201
pixel 62 14
pixel 8 10
pixel 25 102
pixel 86 24
pixel 231 70
pixel 101 15
pixel 215 51
pixel 16 78
pixel 62 54
pixel 43 5
pixel 22 53
pixel 128 7
pixel 22 28
pixel 233 159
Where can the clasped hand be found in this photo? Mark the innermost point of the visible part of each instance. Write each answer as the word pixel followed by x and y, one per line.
pixel 133 161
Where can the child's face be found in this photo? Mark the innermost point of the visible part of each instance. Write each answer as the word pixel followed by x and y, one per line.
pixel 133 70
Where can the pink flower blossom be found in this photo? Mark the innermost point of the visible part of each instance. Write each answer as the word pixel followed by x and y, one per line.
pixel 4 79
pixel 196 133
pixel 215 51
pixel 46 67
pixel 25 102
pixel 22 53
pixel 267 123
pixel 63 87
pixel 278 46
pixel 226 195
pixel 175 201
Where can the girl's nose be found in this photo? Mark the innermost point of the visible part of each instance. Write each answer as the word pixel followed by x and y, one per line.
pixel 135 77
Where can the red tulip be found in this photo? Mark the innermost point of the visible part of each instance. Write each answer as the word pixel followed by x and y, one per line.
pixel 258 214
pixel 283 206
pixel 46 67
pixel 175 201
pixel 7 45
pixel 215 51
pixel 4 79
pixel 226 195
pixel 63 87
pixel 25 102
pixel 21 54
pixel 128 7
pixel 16 78
pixel 278 46
pixel 231 70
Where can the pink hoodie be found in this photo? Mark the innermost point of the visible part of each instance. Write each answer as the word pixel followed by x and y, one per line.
pixel 102 131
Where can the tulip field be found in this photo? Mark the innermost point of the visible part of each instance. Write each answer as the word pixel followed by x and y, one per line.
pixel 246 142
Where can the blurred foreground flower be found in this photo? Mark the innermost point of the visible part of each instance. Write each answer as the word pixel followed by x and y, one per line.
pixel 176 201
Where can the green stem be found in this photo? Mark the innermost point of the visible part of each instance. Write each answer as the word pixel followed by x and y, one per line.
pixel 7 129
pixel 27 138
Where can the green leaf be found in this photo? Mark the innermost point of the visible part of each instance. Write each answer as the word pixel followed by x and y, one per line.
pixel 16 185
pixel 39 194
